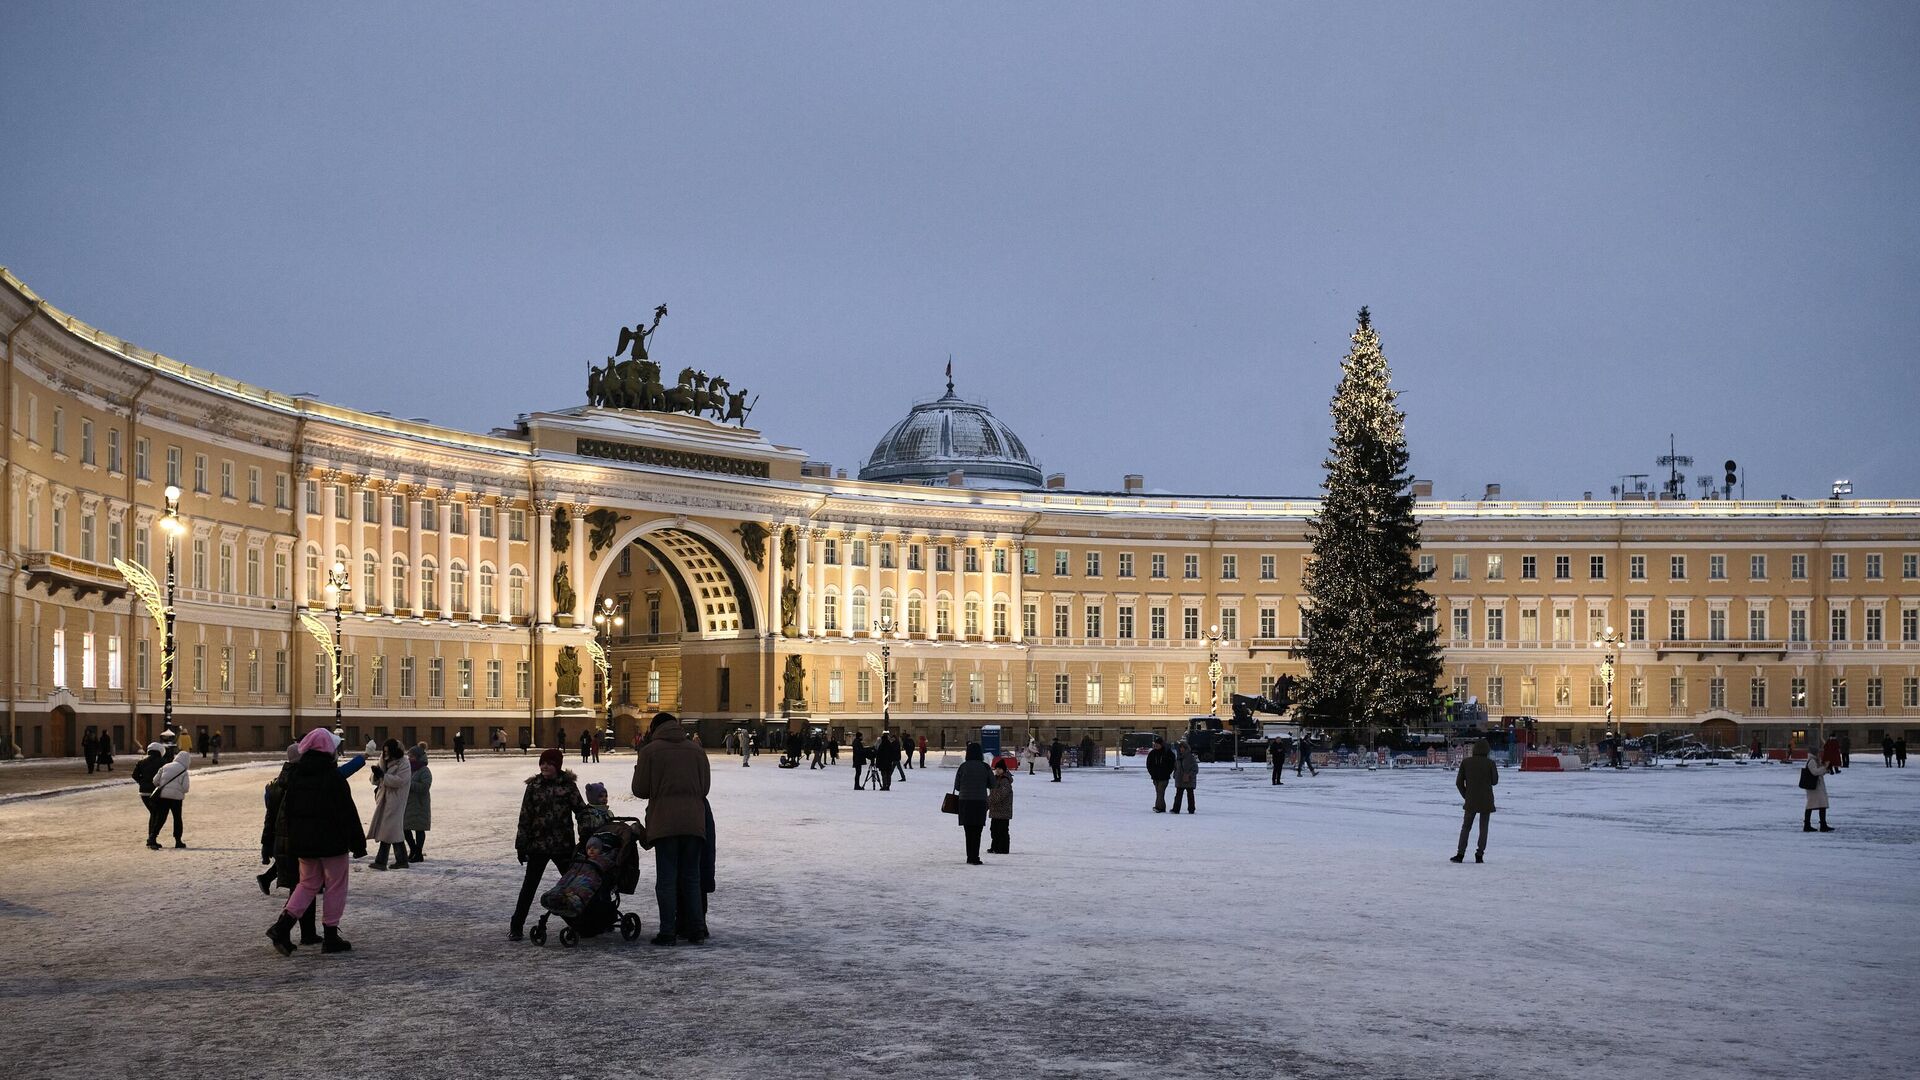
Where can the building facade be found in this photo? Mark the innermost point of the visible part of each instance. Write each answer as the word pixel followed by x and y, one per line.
pixel 750 588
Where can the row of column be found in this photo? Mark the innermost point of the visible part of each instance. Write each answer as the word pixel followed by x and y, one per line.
pixel 331 540
pixel 814 575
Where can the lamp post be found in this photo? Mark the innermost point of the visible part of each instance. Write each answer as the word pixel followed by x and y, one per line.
pixel 170 524
pixel 339 584
pixel 1610 641
pixel 605 622
pixel 1213 667
pixel 884 627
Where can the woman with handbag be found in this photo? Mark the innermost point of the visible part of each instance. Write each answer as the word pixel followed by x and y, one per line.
pixel 972 784
pixel 1813 777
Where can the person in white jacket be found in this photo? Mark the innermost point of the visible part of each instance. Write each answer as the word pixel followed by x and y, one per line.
pixel 391 779
pixel 169 791
pixel 1816 795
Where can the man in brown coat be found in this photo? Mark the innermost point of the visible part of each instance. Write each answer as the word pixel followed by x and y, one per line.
pixel 672 774
pixel 1476 779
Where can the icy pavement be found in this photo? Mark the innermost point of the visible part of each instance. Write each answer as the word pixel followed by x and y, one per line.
pixel 1670 923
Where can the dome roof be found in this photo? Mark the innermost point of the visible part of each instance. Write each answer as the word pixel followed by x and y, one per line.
pixel 940 436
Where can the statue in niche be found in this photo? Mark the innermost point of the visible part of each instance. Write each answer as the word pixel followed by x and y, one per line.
pixel 600 526
pixel 562 529
pixel 790 608
pixel 794 683
pixel 566 673
pixel 753 541
pixel 563 596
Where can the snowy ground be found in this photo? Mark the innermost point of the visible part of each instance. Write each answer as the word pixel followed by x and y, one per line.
pixel 1668 923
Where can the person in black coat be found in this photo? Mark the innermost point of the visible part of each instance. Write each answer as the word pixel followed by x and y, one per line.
pixel 319 825
pixel 144 773
pixel 1305 760
pixel 886 758
pixel 1159 770
pixel 1277 757
pixel 1900 752
pixel 973 783
pixel 1055 752
pixel 89 745
pixel 104 751
pixel 859 759
pixel 459 746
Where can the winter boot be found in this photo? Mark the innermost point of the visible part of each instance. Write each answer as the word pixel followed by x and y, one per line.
pixel 309 932
pixel 333 942
pixel 1462 857
pixel 1480 856
pixel 281 934
pixel 265 881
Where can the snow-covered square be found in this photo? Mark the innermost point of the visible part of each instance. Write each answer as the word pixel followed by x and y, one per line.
pixel 1661 923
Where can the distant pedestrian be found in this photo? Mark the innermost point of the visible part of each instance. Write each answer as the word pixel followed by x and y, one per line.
pixel 1830 754
pixel 833 749
pixel 169 792
pixel 545 834
pixel 1475 782
pixel 1277 758
pixel 459 746
pixel 1846 749
pixel 900 755
pixel 1886 749
pixel 673 776
pixel 859 759
pixel 1900 752
pixel 560 742
pixel 586 746
pixel 906 753
pixel 600 737
pixel 526 740
pixel 923 751
pixel 392 779
pixel 1000 810
pixel 1305 759
pixel 214 742
pixel 1818 770
pixel 1087 751
pixel 1056 754
pixel 1159 769
pixel 318 825
pixel 973 783
pixel 1032 752
pixel 104 751
pixel 89 746
pixel 1186 774
pixel 886 758
pixel 419 817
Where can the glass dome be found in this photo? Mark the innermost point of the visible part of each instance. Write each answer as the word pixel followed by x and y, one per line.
pixel 940 436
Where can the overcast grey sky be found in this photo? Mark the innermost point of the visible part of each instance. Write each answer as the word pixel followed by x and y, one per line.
pixel 1141 230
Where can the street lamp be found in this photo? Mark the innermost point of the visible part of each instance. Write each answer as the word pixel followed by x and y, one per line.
pixel 339 584
pixel 170 524
pixel 606 621
pixel 884 627
pixel 1610 641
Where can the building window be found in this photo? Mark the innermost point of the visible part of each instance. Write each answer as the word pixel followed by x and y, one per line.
pixel 1157 623
pixel 1062 689
pixel 1123 690
pixel 1459 568
pixel 1093 564
pixel 1529 568
pixel 857 552
pixel 436 677
pixel 1529 692
pixel 1716 568
pixel 836 692
pixel 1797 567
pixel 1910 624
pixel 1716 624
pixel 1637 567
pixel 1461 626
pixel 1677 568
pixel 1716 693
pixel 1596 692
pixel 1757 693
pixel 970 617
pixel 1563 568
pixel 830 612
pixel 1229 568
pixel 1230 623
pixel 1496 624
pixel 999 619
pixel 1093 622
pixel 1269 622
pixel 1094 689
pixel 1190 623
pixel 1029 560
pixel 1496 568
pixel 1426 566
pixel 1876 694
pixel 1191 563
pixel 1157 566
pixel 1910 567
pixel 1873 567
pixel 1839 569
pixel 1797 625
pixel 457 518
pixel 1637 624
pixel 1562 624
pixel 1124 620
pixel 1637 692
pixel 1797 692
pixel 1874 631
pixel 523 681
pixel 1267 570
pixel 1062 616
pixel 1060 561
pixel 1496 691
pixel 493 679
pixel 1029 620
pixel 1156 690
pixel 141 450
pixel 1677 624
pixel 1190 692
pixel 1756 624
pixel 1910 692
pixel 1677 692
pixel 1838 693
pixel 1837 624
pixel 1562 692
pixel 1757 567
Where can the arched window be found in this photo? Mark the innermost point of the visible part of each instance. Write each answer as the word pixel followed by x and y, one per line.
pixel 971 613
pixel 916 615
pixel 886 606
pixel 943 617
pixel 859 610
pixel 830 611
pixel 429 586
pixel 313 572
pixel 399 581
pixel 370 580
pixel 457 586
pixel 516 593
pixel 487 606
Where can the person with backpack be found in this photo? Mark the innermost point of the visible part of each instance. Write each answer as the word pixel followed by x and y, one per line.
pixel 169 791
pixel 1160 762
pixel 319 826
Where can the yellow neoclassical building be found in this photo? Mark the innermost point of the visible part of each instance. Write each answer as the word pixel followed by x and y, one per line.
pixel 749 584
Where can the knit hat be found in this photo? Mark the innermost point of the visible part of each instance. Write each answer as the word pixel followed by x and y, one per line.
pixel 552 756
pixel 293 751
pixel 319 739
pixel 597 794
pixel 417 756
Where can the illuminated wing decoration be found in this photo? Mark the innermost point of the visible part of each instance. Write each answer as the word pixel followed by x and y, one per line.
pixel 325 637
pixel 599 657
pixel 148 590
pixel 873 661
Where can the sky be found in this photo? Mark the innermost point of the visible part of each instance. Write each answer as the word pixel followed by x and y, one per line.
pixel 1141 231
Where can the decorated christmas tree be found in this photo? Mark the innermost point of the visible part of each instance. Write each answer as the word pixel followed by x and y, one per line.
pixel 1373 655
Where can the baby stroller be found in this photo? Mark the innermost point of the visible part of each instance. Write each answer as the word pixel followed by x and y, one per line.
pixel 605 868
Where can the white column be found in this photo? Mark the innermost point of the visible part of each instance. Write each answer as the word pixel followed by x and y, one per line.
pixel 329 528
pixel 1016 598
pixel 803 574
pixel 577 551
pixel 873 582
pixel 846 583
pixel 542 548
pixel 986 588
pixel 442 503
pixel 385 534
pixel 776 579
pixel 356 538
pixel 417 601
